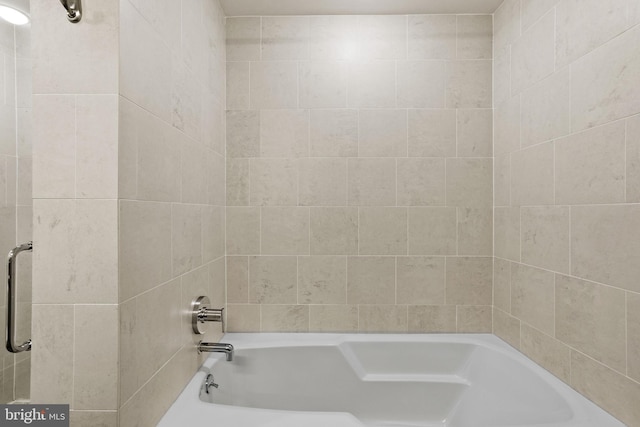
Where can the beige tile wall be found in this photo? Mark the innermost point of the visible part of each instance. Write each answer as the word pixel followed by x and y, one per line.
pixel 15 192
pixel 129 189
pixel 567 225
pixel 171 186
pixel 359 159
pixel 75 210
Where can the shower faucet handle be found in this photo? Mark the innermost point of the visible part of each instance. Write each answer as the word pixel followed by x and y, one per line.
pixel 201 313
pixel 211 315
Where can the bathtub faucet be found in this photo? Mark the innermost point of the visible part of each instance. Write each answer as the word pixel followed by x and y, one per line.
pixel 216 347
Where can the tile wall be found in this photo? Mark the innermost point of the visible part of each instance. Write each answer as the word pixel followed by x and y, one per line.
pixel 15 193
pixel 75 210
pixel 567 219
pixel 359 163
pixel 129 194
pixel 171 186
pixel 358 196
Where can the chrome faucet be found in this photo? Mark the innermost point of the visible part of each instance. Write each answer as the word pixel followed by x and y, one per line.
pixel 216 347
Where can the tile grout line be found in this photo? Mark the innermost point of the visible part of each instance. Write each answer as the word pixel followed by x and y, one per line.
pixel 75 146
pixel 555 282
pixel 73 360
pixel 570 240
pixel 626 333
pixel 625 155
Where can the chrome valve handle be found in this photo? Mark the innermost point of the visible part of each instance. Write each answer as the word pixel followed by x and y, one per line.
pixel 201 313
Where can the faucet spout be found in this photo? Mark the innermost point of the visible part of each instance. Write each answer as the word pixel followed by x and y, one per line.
pixel 216 347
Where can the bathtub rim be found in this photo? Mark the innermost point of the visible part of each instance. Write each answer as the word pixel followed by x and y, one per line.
pixel 583 409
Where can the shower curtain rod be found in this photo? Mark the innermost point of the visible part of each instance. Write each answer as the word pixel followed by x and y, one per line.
pixel 74 10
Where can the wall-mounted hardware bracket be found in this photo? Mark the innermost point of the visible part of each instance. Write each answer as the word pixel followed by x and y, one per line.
pixel 74 10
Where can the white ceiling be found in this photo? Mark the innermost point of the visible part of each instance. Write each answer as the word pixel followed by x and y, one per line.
pixel 355 7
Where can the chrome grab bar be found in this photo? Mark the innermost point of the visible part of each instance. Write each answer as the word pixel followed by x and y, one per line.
pixel 11 300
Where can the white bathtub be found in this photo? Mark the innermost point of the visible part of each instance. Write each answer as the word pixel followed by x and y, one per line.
pixel 328 380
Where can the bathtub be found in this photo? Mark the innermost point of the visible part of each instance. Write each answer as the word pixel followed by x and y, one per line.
pixel 332 380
